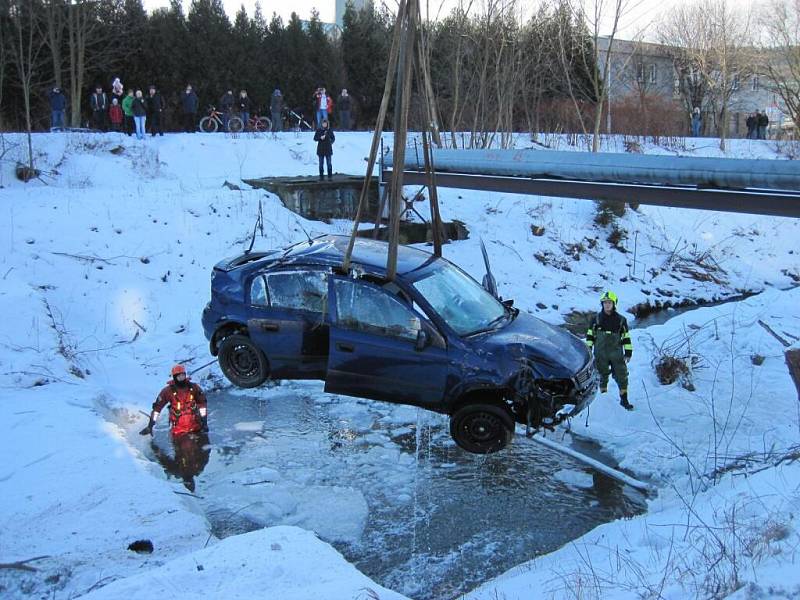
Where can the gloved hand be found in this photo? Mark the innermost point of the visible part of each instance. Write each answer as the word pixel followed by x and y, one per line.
pixel 149 429
pixel 204 424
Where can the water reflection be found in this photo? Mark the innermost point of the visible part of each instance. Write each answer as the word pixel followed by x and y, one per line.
pixel 190 454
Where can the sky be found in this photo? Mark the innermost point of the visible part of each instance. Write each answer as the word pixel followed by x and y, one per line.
pixel 638 17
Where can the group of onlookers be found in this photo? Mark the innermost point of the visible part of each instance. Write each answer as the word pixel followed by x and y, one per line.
pixel 757 124
pixel 133 112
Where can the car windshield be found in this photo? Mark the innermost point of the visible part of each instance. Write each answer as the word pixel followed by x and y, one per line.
pixel 463 304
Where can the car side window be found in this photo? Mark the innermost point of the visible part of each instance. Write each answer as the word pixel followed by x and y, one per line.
pixel 362 307
pixel 258 292
pixel 298 290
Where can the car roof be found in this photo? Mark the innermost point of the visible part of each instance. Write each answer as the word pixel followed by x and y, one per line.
pixel 371 254
pixel 329 250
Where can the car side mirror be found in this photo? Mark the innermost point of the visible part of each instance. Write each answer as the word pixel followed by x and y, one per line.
pixel 508 303
pixel 423 340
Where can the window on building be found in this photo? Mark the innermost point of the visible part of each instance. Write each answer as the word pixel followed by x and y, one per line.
pixel 676 87
pixel 735 83
pixel 640 72
pixel 652 74
pixel 755 83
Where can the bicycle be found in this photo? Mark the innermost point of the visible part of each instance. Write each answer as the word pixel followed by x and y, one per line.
pixel 254 123
pixel 213 121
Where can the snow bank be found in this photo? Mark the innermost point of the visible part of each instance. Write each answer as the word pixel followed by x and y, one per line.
pixel 105 271
pixel 281 562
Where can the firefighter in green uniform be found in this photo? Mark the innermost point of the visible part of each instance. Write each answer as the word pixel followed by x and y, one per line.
pixel 610 339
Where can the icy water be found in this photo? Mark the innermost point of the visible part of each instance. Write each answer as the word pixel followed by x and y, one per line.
pixel 386 486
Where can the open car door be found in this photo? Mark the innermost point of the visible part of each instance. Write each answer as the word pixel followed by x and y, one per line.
pixel 381 348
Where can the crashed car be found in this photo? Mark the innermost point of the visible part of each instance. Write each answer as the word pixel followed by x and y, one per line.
pixel 432 337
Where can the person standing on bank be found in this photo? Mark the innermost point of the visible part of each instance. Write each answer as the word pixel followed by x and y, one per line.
pixel 276 110
pixel 189 103
pixel 344 110
pixel 609 338
pixel 58 106
pixel 763 123
pixel 697 122
pixel 325 137
pixel 139 108
pixel 155 108
pixel 127 110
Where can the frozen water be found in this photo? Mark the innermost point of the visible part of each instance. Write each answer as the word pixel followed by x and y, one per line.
pixel 388 488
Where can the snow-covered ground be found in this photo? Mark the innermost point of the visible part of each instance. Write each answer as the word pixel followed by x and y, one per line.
pixel 104 273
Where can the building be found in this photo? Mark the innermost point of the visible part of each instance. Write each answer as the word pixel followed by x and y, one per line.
pixel 645 69
pixel 341 6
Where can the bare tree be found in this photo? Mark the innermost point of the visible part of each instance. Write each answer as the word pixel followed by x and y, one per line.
pixel 708 41
pixel 597 15
pixel 26 46
pixel 779 59
pixel 54 13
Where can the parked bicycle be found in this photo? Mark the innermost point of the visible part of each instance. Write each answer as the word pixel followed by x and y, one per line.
pixel 254 123
pixel 213 121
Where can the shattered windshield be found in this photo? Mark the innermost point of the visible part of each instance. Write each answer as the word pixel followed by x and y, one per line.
pixel 463 304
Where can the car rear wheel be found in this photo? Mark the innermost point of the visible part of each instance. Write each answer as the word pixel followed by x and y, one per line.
pixel 481 428
pixel 242 362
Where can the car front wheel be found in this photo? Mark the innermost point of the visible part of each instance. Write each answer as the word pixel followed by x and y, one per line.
pixel 481 428
pixel 242 362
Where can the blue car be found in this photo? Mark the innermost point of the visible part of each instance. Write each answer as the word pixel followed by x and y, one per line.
pixel 433 337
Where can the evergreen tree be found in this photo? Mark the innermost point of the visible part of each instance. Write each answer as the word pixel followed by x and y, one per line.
pixel 299 83
pixel 365 41
pixel 210 42
pixel 165 54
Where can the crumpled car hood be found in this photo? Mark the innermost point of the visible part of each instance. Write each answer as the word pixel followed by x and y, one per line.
pixel 561 353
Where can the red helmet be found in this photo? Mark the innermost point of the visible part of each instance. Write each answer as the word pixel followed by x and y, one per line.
pixel 178 369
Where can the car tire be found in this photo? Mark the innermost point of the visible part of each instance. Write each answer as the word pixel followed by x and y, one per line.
pixel 242 362
pixel 481 428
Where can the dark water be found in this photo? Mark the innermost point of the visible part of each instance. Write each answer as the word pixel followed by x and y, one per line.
pixel 436 521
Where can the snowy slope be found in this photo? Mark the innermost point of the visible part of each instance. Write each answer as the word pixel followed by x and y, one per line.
pixel 105 271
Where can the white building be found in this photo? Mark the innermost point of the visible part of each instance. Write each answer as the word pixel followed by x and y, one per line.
pixel 341 5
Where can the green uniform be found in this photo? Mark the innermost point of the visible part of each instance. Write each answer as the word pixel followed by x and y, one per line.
pixel 610 339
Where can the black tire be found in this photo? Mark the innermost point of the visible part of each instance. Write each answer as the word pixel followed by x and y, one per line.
pixel 208 125
pixel 263 124
pixel 242 362
pixel 235 125
pixel 482 428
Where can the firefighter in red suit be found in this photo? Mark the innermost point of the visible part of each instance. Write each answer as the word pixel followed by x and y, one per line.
pixel 188 412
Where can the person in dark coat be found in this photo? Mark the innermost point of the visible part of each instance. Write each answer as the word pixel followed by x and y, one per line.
pixel 243 104
pixel 750 121
pixel 226 106
pixel 344 110
pixel 276 110
pixel 58 106
pixel 325 137
pixel 155 109
pixel 139 108
pixel 763 123
pixel 189 104
pixel 98 102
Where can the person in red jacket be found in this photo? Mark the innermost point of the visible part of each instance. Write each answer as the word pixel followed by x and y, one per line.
pixel 188 409
pixel 115 115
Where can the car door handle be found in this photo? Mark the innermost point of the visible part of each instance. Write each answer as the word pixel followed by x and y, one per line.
pixel 265 325
pixel 345 347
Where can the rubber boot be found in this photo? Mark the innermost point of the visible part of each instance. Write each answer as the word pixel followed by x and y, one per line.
pixel 623 400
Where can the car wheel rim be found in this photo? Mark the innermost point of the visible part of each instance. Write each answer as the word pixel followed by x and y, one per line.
pixel 243 361
pixel 483 429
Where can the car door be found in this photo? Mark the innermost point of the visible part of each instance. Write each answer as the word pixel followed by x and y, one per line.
pixel 374 350
pixel 287 320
